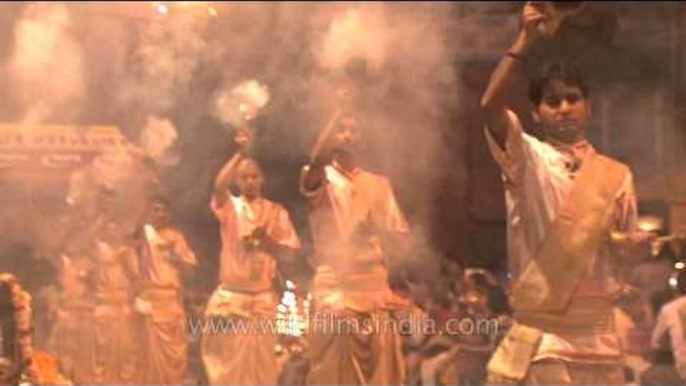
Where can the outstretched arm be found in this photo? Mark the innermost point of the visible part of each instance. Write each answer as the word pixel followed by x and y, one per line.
pixel 314 175
pixel 227 174
pixel 507 74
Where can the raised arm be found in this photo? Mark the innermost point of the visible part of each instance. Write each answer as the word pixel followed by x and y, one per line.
pixel 507 75
pixel 314 174
pixel 227 174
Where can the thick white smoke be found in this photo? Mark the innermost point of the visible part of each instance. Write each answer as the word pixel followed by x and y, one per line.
pixel 158 139
pixel 166 56
pixel 173 78
pixel 238 105
pixel 46 66
pixel 361 32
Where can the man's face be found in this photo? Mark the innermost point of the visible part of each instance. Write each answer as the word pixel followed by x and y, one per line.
pixel 347 136
pixel 564 112
pixel 159 214
pixel 249 180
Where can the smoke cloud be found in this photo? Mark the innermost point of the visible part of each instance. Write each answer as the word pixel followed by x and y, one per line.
pixel 157 139
pixel 166 55
pixel 238 105
pixel 169 81
pixel 47 64
pixel 357 33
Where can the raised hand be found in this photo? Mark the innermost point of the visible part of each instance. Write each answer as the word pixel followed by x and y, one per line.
pixel 540 19
pixel 243 139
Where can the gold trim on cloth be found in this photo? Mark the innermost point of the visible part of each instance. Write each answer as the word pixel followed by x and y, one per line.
pixel 513 356
pixel 585 314
pixel 548 281
pixel 224 302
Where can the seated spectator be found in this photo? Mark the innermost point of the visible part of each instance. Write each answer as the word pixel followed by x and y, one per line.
pixel 670 332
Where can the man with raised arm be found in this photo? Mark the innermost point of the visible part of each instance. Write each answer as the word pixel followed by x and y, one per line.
pixel 568 207
pixel 256 234
pixel 354 219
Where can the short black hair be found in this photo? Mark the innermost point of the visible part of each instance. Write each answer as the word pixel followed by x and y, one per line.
pixel 566 72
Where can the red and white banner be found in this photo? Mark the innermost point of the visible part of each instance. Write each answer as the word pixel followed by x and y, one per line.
pixel 54 148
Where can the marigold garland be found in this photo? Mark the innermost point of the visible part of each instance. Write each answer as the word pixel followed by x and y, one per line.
pixel 37 368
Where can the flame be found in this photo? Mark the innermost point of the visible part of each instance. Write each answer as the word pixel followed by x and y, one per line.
pixel 650 223
pixel 673 282
pixel 289 320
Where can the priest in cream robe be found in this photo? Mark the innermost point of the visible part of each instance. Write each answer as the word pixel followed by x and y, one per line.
pixel 165 259
pixel 354 217
pixel 569 209
pixel 256 235
pixel 114 274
